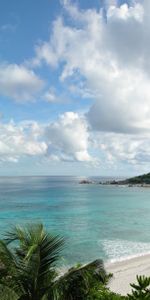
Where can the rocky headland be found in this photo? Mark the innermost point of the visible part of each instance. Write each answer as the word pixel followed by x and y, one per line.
pixel 141 181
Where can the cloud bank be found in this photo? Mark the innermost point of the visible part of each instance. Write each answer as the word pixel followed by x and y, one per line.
pixel 66 139
pixel 110 57
pixel 113 59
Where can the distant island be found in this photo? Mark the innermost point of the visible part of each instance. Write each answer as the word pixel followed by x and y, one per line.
pixel 141 180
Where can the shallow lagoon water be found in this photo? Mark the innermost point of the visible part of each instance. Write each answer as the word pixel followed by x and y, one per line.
pixel 97 221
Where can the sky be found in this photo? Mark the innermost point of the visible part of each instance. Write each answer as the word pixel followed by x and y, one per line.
pixel 74 87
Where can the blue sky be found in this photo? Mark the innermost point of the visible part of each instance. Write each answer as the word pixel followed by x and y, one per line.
pixel 69 101
pixel 23 26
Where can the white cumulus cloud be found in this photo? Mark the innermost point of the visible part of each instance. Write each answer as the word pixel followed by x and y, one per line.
pixel 18 140
pixel 68 138
pixel 113 59
pixel 110 58
pixel 18 82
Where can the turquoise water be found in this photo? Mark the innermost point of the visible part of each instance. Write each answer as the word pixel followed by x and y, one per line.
pixel 97 221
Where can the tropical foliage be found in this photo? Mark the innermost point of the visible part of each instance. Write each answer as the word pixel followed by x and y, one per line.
pixel 141 290
pixel 29 258
pixel 28 261
pixel 27 267
pixel 79 282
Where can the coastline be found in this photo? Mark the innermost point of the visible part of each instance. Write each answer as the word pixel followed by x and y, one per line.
pixel 125 272
pixel 114 183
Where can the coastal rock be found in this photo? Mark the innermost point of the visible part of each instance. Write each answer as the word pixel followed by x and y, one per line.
pixel 85 181
pixel 114 182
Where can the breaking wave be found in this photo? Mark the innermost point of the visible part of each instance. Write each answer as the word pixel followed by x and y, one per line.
pixel 118 250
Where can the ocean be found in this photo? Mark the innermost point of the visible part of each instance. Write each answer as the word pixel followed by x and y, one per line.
pixel 97 221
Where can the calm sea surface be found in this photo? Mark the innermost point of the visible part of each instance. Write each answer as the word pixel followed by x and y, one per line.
pixel 97 221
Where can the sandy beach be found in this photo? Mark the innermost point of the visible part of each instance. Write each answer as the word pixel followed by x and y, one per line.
pixel 124 273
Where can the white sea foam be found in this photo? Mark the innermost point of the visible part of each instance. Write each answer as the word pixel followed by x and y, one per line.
pixel 119 250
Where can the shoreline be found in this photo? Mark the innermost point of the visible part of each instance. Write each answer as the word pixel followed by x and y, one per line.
pixel 114 183
pixel 125 272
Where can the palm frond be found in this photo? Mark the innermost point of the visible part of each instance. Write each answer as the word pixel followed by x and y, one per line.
pixel 7 257
pixel 6 293
pixel 37 253
pixel 16 233
pixel 78 280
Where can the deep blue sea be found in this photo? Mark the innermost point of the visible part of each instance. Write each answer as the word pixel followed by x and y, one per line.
pixel 97 221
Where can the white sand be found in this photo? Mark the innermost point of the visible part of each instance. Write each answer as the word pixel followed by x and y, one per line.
pixel 125 272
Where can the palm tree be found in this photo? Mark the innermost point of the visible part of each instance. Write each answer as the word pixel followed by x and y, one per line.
pixel 77 283
pixel 28 260
pixel 28 268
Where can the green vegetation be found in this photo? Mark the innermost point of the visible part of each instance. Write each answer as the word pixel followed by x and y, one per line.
pixel 28 257
pixel 142 179
pixel 80 282
pixel 141 290
pixel 28 261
